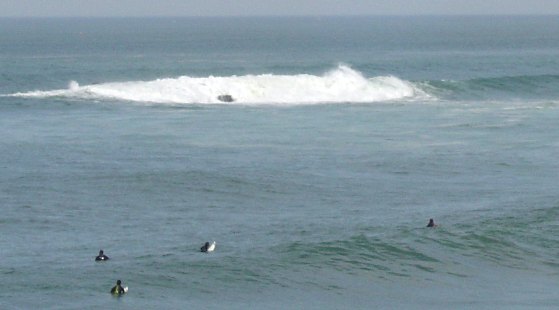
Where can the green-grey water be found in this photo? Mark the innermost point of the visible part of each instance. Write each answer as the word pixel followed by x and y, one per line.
pixel 344 137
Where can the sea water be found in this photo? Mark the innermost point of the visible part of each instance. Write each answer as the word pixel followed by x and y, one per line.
pixel 345 136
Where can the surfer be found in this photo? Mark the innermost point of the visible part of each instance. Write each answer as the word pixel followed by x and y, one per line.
pixel 431 223
pixel 118 289
pixel 207 247
pixel 225 98
pixel 101 256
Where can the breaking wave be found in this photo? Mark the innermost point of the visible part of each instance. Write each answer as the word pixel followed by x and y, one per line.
pixel 342 84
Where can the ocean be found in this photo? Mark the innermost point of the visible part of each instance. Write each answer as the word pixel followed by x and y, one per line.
pixel 313 150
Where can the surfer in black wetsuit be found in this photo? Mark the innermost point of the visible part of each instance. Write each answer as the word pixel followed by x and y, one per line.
pixel 205 247
pixel 101 256
pixel 431 223
pixel 117 289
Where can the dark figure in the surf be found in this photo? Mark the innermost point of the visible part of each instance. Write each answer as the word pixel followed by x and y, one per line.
pixel 117 289
pixel 431 223
pixel 101 256
pixel 205 247
pixel 208 247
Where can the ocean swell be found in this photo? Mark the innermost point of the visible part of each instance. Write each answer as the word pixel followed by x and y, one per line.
pixel 523 242
pixel 501 87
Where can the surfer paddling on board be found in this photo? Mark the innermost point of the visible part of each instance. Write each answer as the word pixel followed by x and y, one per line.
pixel 101 256
pixel 431 223
pixel 118 289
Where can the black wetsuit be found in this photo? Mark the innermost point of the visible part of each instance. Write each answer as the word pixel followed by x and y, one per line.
pixel 205 247
pixel 101 257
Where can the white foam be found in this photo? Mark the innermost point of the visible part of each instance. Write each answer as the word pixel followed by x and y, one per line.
pixel 342 84
pixel 73 85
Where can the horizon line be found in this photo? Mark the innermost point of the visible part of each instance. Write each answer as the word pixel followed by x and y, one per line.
pixel 287 15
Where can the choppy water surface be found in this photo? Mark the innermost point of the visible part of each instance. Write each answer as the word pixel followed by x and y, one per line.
pixel 344 137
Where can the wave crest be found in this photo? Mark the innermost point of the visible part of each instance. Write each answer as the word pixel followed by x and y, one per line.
pixel 501 87
pixel 342 84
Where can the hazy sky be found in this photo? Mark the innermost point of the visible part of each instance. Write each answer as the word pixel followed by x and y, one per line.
pixel 272 7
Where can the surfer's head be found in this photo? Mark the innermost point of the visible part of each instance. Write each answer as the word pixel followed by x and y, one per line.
pixel 118 282
pixel 431 223
pixel 100 252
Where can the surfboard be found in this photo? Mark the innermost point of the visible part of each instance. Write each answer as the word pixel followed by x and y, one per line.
pixel 211 248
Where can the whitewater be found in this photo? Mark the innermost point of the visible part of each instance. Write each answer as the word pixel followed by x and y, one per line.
pixel 339 85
